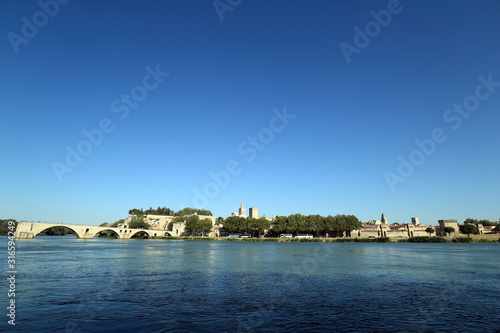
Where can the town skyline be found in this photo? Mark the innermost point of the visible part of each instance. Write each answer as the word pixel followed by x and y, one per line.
pixel 261 213
pixel 337 107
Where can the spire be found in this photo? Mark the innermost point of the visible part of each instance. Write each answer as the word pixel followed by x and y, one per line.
pixel 242 210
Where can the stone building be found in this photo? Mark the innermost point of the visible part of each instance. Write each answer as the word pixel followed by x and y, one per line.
pixel 447 223
pixel 241 212
pixel 382 228
pixel 253 212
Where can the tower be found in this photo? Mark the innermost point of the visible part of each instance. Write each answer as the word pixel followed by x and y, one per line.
pixel 242 210
pixel 383 219
pixel 253 212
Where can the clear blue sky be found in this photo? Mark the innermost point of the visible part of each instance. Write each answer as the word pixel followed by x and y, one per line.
pixel 352 119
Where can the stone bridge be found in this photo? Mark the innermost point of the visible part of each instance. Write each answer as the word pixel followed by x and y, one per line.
pixel 27 230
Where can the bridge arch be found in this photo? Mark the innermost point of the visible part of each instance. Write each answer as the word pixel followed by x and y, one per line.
pixel 134 232
pixel 37 231
pixel 107 229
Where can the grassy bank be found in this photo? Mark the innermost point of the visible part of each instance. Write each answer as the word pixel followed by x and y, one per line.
pixel 460 239
pixel 418 239
pixel 284 240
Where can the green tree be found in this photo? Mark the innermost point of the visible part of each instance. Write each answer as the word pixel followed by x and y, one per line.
pixel 192 224
pixel 314 224
pixel 280 226
pixel 330 224
pixel 235 224
pixel 468 229
pixel 429 230
pixel 137 222
pixel 449 230
pixel 486 223
pixel 4 227
pixel 105 224
pixel 257 226
pixel 470 221
pixel 351 223
pixel 296 223
pixel 204 226
pixel 338 225
pixel 115 224
pixel 191 211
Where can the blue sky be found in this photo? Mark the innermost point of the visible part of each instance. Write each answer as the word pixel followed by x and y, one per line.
pixel 348 121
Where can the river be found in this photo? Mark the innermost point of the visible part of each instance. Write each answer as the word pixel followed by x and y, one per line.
pixel 101 285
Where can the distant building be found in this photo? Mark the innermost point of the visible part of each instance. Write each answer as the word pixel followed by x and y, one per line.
pixel 241 211
pixel 447 223
pixel 253 212
pixel 382 228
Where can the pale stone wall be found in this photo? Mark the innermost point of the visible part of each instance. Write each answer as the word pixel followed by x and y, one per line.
pixel 253 212
pixel 448 223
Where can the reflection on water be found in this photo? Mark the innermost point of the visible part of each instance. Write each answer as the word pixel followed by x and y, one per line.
pixel 156 285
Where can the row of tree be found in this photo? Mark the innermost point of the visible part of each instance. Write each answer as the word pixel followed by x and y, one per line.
pixel 169 212
pixel 251 226
pixel 336 226
pixel 483 222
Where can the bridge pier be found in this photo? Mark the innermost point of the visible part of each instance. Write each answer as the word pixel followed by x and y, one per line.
pixel 24 235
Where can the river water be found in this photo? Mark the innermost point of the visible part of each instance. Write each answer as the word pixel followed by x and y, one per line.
pixel 102 285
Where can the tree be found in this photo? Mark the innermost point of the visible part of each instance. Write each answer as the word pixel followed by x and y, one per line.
pixel 191 211
pixel 105 224
pixel 257 226
pixel 137 222
pixel 235 224
pixel 352 223
pixel 470 221
pixel 279 225
pixel 449 230
pixel 296 223
pixel 468 229
pixel 192 224
pixel 4 227
pixel 158 211
pixel 338 224
pixel 486 223
pixel 429 230
pixel 314 224
pixel 115 224
pixel 204 226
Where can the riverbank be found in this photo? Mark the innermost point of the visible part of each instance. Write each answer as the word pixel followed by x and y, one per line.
pixel 422 239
